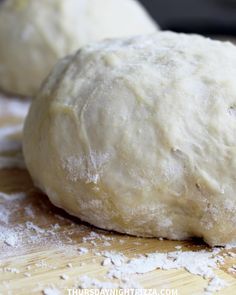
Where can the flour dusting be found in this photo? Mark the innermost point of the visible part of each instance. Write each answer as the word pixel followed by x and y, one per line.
pixel 86 168
pixel 16 108
pixel 51 291
pixel 28 222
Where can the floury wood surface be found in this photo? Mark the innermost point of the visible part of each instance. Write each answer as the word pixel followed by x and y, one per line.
pixel 46 242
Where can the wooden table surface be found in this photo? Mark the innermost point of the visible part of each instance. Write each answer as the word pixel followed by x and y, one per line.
pixel 40 244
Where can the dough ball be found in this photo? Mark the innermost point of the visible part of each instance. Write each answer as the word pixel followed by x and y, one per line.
pixel 34 34
pixel 138 135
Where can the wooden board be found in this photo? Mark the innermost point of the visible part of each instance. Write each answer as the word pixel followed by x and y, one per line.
pixel 46 241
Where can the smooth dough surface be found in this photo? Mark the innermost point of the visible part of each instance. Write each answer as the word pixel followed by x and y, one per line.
pixel 35 33
pixel 139 135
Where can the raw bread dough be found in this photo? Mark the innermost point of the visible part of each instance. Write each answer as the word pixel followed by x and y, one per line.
pixel 139 135
pixel 34 34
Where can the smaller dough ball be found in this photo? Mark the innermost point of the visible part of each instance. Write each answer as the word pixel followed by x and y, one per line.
pixel 139 136
pixel 34 34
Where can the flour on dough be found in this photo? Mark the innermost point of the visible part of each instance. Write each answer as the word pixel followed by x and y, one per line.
pixel 138 135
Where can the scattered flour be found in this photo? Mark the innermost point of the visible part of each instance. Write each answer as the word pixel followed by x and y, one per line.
pixel 215 285
pixel 95 236
pixel 232 269
pixel 12 240
pixel 115 257
pixel 87 282
pixel 44 265
pixel 64 277
pixel 8 143
pixel 178 247
pixel 4 214
pixel 118 266
pixel 15 236
pixel 11 269
pixel 231 254
pixel 199 263
pixel 83 250
pixel 27 274
pixel 37 229
pixel 230 246
pixel 51 291
pixel 12 197
pixel 126 270
pixel 10 107
pixel 29 211
pixel 106 262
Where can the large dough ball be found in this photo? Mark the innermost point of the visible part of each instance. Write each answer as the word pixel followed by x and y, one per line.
pixel 35 33
pixel 139 135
